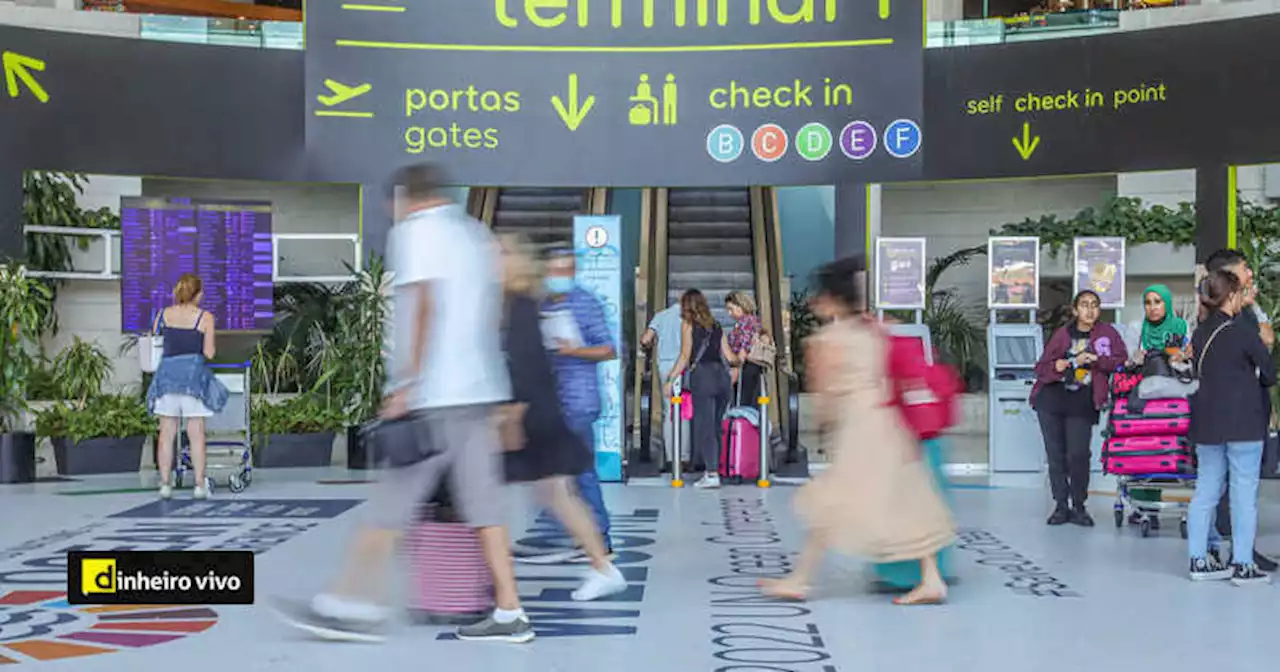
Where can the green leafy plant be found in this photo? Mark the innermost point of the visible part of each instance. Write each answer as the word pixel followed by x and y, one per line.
pixel 49 199
pixel 42 382
pixel 24 301
pixel 359 365
pixel 101 416
pixel 308 413
pixel 803 325
pixel 81 369
pixel 1120 216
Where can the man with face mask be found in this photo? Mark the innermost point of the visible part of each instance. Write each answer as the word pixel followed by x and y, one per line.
pixel 576 330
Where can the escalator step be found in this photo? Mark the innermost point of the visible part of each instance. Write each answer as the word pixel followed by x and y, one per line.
pixel 708 197
pixel 540 203
pixel 700 213
pixel 697 264
pixel 679 229
pixel 712 280
pixel 709 247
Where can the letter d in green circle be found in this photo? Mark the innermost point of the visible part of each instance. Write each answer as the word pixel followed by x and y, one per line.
pixel 814 142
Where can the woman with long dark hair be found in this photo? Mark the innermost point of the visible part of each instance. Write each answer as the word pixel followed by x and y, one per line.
pixel 877 499
pixel 1070 390
pixel 703 351
pixel 541 449
pixel 1228 427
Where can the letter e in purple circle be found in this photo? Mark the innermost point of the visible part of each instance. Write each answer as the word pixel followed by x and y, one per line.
pixel 858 140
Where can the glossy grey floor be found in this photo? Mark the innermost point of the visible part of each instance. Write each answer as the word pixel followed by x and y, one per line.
pixel 1029 597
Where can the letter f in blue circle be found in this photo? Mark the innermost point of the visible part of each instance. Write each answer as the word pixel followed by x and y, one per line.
pixel 902 138
pixel 724 143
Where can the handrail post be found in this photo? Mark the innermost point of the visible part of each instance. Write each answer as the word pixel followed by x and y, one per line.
pixel 764 433
pixel 677 420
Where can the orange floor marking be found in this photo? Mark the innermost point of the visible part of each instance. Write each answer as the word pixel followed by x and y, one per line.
pixel 156 626
pixel 45 650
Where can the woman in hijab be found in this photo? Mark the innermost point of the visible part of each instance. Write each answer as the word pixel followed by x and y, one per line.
pixel 1162 330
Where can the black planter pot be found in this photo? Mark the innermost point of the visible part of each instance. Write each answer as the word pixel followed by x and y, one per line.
pixel 360 454
pixel 295 450
pixel 108 455
pixel 17 457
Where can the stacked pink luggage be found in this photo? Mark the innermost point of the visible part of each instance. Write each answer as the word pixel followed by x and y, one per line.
pixel 1146 437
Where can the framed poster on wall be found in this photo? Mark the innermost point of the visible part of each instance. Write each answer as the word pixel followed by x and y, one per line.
pixel 900 273
pixel 1013 273
pixel 1099 266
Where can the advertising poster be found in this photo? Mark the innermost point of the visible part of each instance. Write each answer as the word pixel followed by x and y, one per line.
pixel 900 270
pixel 1013 273
pixel 599 264
pixel 1099 266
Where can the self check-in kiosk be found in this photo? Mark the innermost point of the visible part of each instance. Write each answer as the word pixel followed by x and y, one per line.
pixel 1014 432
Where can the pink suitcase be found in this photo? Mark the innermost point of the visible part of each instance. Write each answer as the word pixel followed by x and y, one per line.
pixel 740 451
pixel 449 581
pixel 1154 407
pixel 1160 417
pixel 1146 455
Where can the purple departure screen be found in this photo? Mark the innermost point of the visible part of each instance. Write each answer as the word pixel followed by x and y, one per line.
pixel 226 243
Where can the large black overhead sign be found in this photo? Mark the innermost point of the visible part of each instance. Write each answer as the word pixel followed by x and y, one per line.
pixel 617 92
pixel 1198 95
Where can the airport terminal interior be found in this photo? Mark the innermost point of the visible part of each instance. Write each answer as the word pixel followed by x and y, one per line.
pixel 1011 173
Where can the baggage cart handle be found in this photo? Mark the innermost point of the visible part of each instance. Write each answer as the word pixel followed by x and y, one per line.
pixel 764 432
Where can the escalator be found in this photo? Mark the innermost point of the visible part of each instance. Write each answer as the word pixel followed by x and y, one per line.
pixel 544 216
pixel 716 241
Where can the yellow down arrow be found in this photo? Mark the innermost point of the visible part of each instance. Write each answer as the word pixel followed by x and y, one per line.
pixel 1028 145
pixel 18 68
pixel 574 112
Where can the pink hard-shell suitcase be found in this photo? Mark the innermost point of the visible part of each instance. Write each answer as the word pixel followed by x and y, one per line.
pixel 740 450
pixel 449 580
pixel 1160 417
pixel 1147 455
pixel 1154 408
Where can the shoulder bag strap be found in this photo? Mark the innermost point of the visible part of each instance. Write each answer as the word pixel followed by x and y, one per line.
pixel 1208 342
pixel 702 350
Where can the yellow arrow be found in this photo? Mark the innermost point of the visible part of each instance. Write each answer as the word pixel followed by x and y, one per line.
pixel 1028 145
pixel 18 67
pixel 572 115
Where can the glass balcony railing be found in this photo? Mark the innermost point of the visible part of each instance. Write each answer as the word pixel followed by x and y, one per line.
pixel 1021 28
pixel 288 35
pixel 227 32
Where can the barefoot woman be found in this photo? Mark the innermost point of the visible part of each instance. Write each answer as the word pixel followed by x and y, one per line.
pixel 877 500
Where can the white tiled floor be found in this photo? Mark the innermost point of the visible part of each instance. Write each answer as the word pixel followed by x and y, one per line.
pixel 693 559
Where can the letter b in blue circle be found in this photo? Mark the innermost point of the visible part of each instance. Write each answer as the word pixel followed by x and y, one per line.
pixel 902 138
pixel 724 143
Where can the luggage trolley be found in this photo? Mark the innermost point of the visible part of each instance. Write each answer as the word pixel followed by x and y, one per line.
pixel 229 441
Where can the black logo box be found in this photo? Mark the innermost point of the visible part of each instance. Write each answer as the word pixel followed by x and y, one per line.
pixel 178 565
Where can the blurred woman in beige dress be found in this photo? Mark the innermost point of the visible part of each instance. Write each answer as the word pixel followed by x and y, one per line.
pixel 877 500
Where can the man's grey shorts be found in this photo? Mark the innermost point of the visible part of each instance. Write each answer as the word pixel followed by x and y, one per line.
pixel 470 456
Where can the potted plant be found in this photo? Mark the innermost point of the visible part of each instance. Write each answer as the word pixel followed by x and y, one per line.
pixel 297 432
pixel 24 301
pixel 80 371
pixel 103 435
pixel 360 367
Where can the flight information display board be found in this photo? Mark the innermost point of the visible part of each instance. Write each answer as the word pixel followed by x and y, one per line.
pixel 227 244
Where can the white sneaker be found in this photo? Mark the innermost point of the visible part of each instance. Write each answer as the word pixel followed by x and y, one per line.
pixel 166 491
pixel 600 584
pixel 200 492
pixel 708 481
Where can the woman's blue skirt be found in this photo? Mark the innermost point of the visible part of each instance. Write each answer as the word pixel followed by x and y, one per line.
pixel 906 574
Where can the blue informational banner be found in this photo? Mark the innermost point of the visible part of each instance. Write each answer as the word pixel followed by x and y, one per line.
pixel 596 240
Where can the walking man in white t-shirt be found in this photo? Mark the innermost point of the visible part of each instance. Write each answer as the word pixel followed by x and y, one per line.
pixel 446 368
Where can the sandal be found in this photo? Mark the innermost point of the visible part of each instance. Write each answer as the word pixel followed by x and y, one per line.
pixel 780 589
